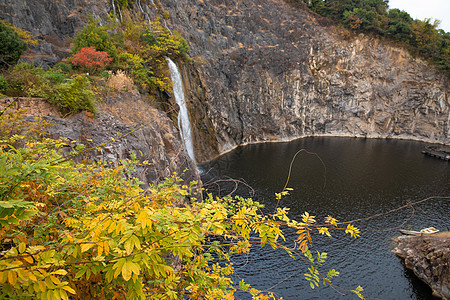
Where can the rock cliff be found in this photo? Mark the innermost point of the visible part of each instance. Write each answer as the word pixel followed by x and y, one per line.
pixel 53 23
pixel 138 129
pixel 429 258
pixel 271 70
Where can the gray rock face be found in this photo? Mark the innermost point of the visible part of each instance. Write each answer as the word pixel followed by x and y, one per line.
pixel 269 70
pixel 429 258
pixel 273 72
pixel 138 129
pixel 53 23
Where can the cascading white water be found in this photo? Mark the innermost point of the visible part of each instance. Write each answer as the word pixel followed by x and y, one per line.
pixel 183 116
pixel 114 10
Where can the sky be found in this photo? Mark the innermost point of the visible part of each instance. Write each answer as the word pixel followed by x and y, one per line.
pixel 421 9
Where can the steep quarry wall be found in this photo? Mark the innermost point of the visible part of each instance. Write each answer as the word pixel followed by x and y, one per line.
pixel 268 70
pixel 271 72
pixel 53 23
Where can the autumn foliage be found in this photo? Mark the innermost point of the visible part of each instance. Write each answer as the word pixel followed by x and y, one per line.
pixel 91 59
pixel 84 231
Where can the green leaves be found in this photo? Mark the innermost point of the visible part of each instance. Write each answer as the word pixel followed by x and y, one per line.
pixel 99 233
pixel 12 46
pixel 243 286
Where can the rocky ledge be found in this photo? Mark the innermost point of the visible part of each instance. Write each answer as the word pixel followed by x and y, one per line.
pixel 428 256
pixel 138 130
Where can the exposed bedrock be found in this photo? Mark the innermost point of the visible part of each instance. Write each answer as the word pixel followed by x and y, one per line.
pixel 137 128
pixel 429 258
pixel 271 70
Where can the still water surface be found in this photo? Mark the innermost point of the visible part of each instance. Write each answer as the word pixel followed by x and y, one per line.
pixel 354 178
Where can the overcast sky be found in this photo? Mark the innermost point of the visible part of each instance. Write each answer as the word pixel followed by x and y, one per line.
pixel 421 9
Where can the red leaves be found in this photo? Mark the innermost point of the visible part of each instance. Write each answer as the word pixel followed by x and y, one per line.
pixel 90 58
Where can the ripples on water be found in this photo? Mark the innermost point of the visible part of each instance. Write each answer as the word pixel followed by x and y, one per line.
pixel 361 177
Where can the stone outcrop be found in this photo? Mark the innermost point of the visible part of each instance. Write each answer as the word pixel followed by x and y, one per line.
pixel 138 129
pixel 52 23
pixel 429 257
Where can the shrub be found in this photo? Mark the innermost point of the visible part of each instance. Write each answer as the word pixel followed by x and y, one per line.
pixel 163 43
pixel 29 81
pixel 23 66
pixel 3 83
pixel 74 96
pixel 135 66
pixel 94 36
pixel 53 76
pixel 92 233
pixel 11 46
pixel 12 123
pixel 63 67
pixel 120 82
pixel 20 77
pixel 71 95
pixel 91 59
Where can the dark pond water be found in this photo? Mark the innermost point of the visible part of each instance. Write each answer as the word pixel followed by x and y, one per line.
pixel 358 178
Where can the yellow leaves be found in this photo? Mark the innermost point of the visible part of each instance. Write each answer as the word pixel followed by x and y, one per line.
pixel 303 238
pixel 331 221
pixel 22 247
pixel 285 192
pixel 59 272
pixel 103 247
pixel 49 282
pixel 131 243
pixel 41 286
pixel 32 276
pixel 3 276
pixel 126 267
pixel 71 222
pixel 12 277
pixel 86 246
pixel 144 220
pixel 307 219
pixel 112 227
pixel 69 289
pixel 352 230
pixel 324 230
pixel 55 279
pixel 120 228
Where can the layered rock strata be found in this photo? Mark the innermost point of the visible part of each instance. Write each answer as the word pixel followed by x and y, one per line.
pixel 429 257
pixel 271 71
pixel 137 128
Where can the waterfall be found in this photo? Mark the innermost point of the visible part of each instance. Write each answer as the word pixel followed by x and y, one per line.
pixel 183 118
pixel 114 10
pixel 167 27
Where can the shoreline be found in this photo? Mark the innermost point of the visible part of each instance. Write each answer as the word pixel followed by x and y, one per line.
pixel 338 135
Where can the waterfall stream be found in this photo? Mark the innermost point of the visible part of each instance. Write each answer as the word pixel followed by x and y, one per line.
pixel 183 117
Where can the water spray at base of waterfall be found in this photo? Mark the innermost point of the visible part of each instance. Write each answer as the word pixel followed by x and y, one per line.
pixel 183 117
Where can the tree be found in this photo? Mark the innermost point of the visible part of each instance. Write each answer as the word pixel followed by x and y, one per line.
pixel 94 36
pixel 11 46
pixel 400 25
